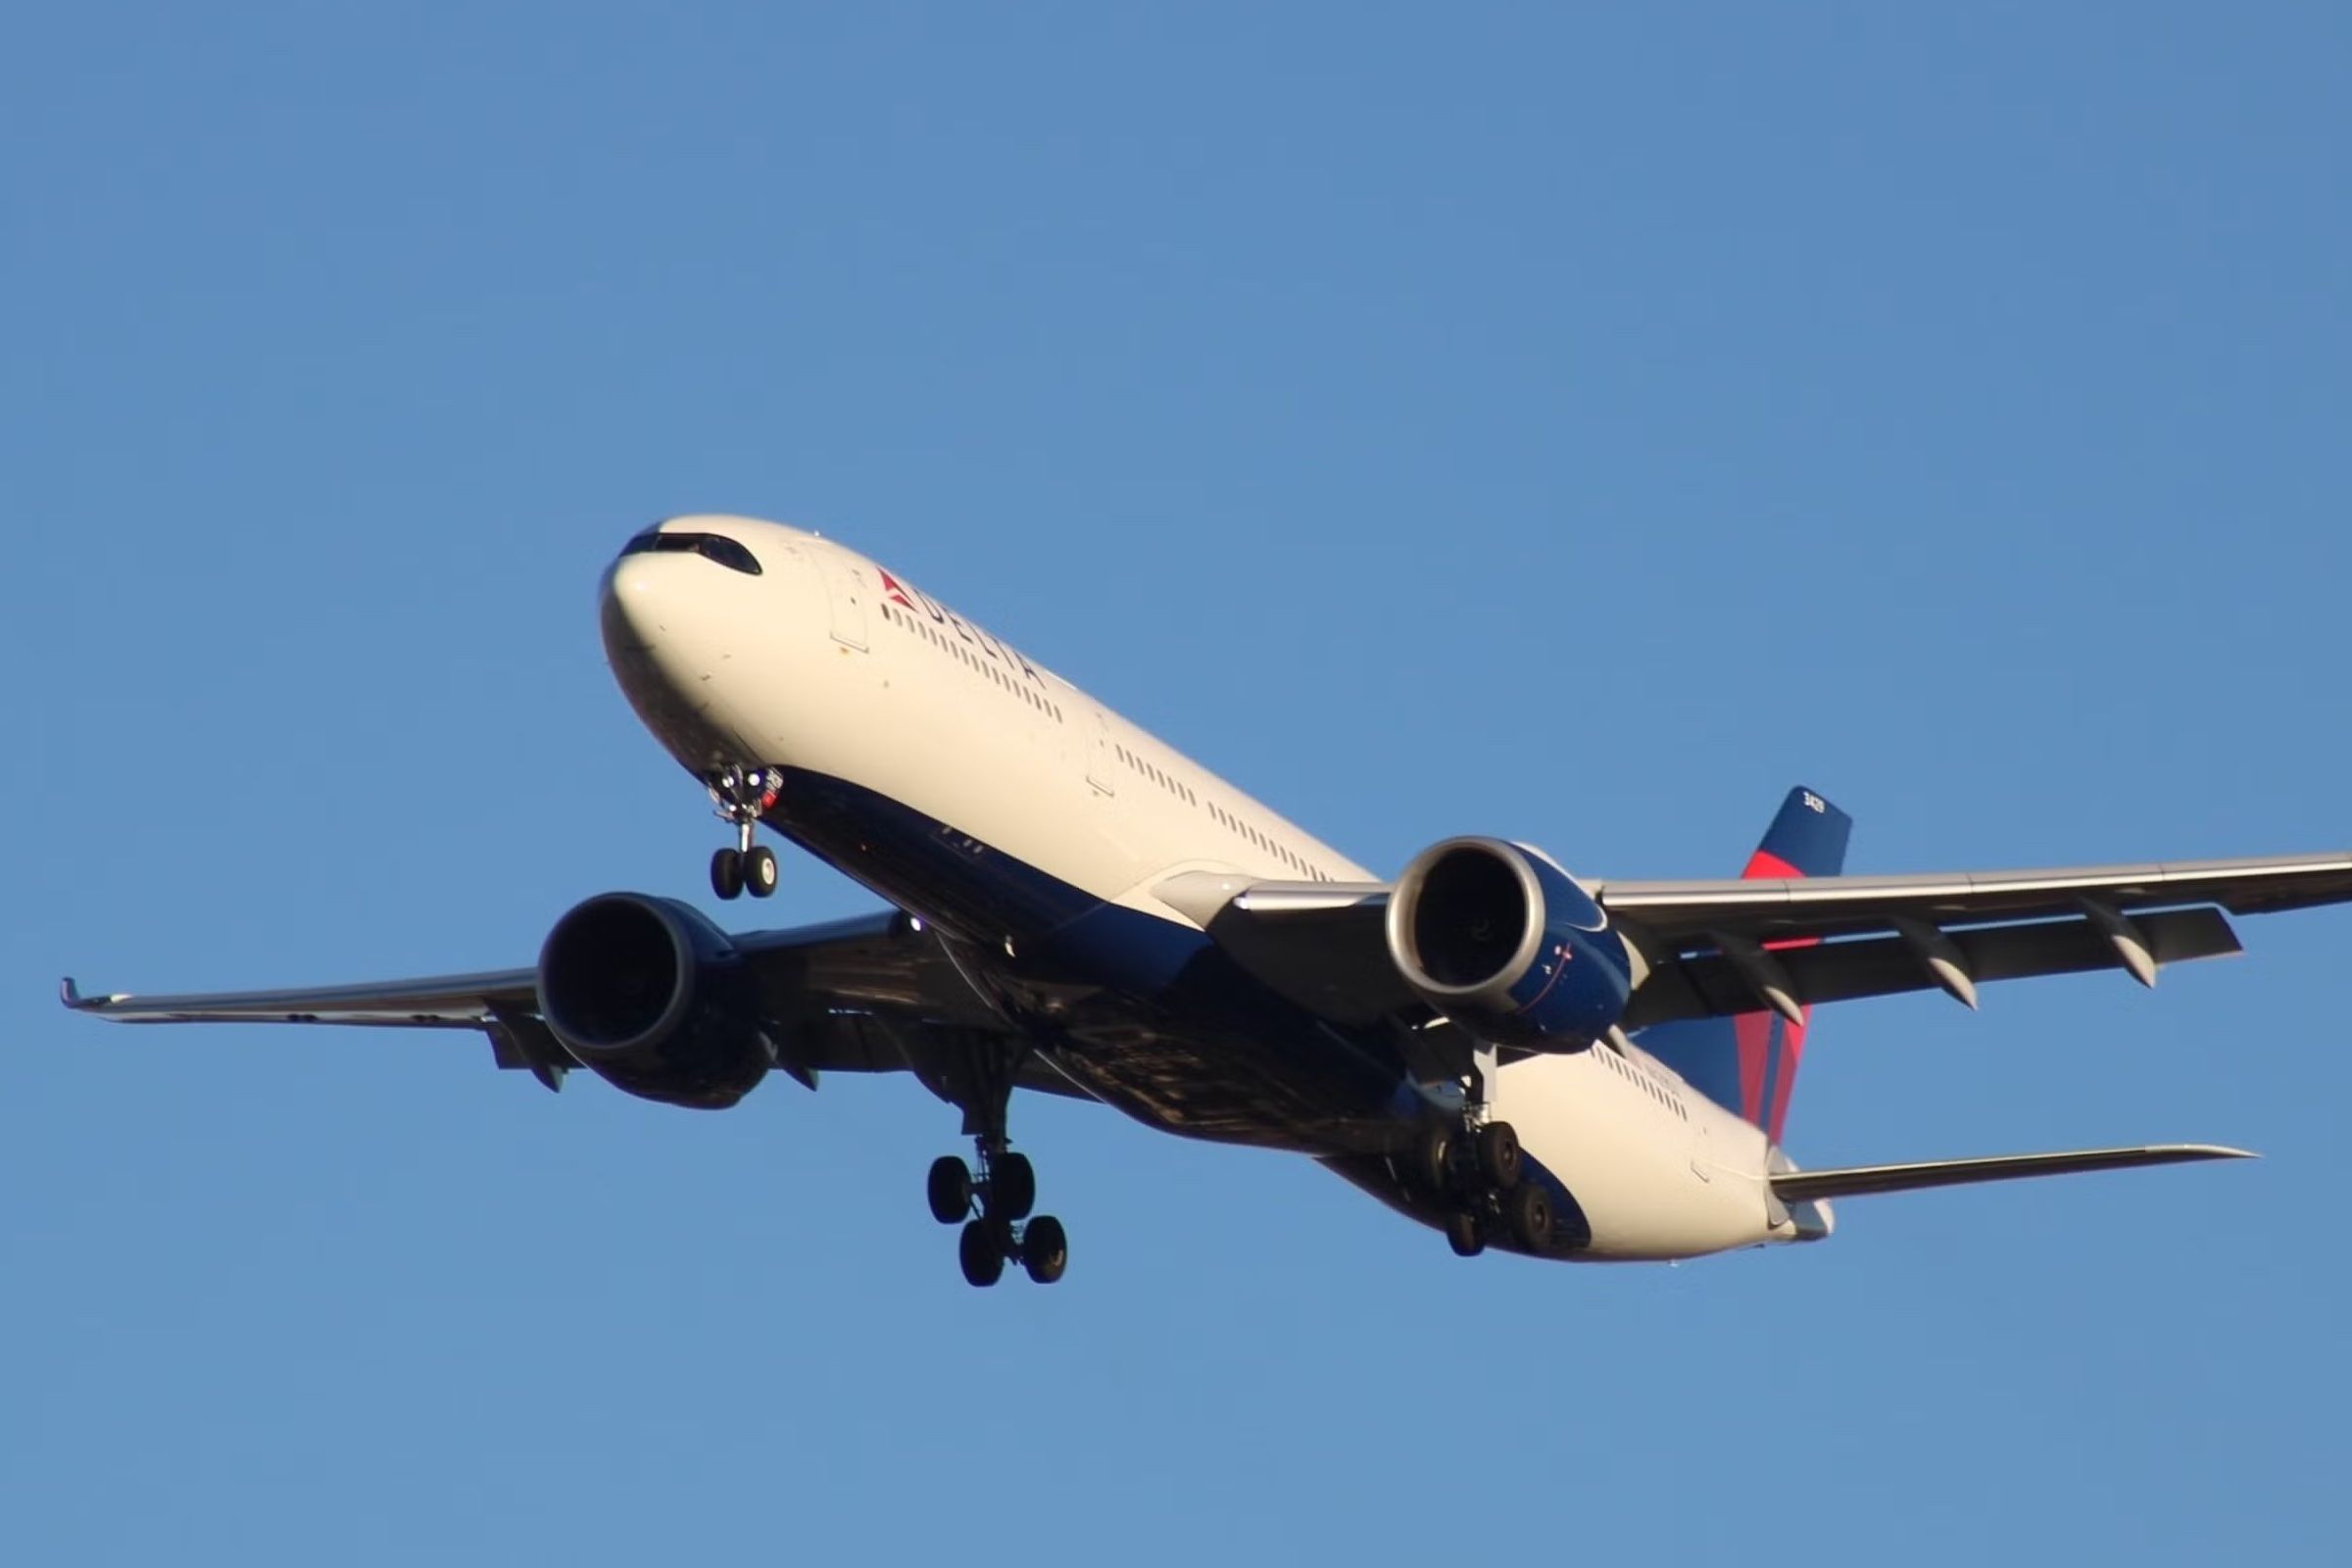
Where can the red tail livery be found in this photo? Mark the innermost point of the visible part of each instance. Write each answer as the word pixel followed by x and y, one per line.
pixel 1747 1065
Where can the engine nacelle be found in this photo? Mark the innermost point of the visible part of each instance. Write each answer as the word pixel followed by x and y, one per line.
pixel 651 997
pixel 1507 944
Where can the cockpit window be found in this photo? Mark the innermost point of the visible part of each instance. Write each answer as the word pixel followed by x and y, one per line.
pixel 709 546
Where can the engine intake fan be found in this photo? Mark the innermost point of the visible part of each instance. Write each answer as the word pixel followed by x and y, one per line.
pixel 1507 944
pixel 652 997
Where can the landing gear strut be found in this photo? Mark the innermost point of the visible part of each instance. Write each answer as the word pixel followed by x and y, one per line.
pixel 741 797
pixel 994 1205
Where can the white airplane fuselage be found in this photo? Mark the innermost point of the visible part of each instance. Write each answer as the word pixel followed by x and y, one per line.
pixel 998 803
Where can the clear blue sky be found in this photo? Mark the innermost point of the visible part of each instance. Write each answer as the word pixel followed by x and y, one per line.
pixel 1577 423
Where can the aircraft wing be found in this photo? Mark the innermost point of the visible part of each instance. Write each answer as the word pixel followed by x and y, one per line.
pixel 1728 947
pixel 863 995
pixel 438 1002
pixel 1776 908
pixel 1790 943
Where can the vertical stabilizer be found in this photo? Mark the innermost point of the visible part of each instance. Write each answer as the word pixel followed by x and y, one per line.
pixel 1747 1065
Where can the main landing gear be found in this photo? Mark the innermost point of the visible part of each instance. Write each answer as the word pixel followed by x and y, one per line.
pixel 994 1206
pixel 1475 1169
pixel 741 797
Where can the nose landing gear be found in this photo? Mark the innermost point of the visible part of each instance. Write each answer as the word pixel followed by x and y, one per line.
pixel 741 797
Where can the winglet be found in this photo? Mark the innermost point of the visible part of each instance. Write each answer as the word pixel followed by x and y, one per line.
pixel 71 994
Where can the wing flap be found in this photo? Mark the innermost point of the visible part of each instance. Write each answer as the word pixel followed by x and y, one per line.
pixel 1709 985
pixel 1823 906
pixel 1806 1186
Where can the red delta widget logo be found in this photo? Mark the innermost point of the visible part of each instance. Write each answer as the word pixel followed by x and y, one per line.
pixel 915 598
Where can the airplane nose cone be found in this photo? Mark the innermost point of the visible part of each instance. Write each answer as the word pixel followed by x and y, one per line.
pixel 682 588
pixel 663 634
pixel 636 604
pixel 704 618
pixel 672 582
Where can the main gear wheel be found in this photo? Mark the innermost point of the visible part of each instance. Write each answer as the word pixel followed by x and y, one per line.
pixel 1475 1172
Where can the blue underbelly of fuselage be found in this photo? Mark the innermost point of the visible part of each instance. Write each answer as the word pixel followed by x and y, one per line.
pixel 1147 1014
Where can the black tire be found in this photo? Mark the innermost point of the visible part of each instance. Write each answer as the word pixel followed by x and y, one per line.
pixel 950 1190
pixel 1498 1159
pixel 1011 1187
pixel 759 873
pixel 1045 1250
pixel 1530 1209
pixel 1465 1235
pixel 1432 1161
pixel 981 1251
pixel 726 873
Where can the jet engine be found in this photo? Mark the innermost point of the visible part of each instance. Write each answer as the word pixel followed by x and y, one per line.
pixel 654 998
pixel 1505 943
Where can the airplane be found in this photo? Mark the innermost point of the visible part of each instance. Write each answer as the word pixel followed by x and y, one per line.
pixel 1562 1068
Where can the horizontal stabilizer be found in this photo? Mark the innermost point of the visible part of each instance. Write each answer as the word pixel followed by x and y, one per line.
pixel 1801 1186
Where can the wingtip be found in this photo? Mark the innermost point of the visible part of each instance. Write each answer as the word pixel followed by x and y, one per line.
pixel 71 995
